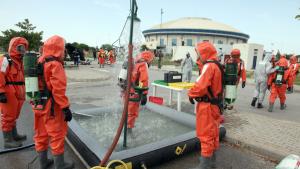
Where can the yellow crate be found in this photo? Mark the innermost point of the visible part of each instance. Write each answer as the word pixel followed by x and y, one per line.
pixel 181 85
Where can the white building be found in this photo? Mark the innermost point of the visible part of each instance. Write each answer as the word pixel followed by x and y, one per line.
pixel 191 30
pixel 251 54
pixel 180 36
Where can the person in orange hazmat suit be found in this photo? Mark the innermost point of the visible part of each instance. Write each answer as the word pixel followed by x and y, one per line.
pixel 12 91
pixel 50 122
pixel 278 82
pixel 208 92
pixel 140 78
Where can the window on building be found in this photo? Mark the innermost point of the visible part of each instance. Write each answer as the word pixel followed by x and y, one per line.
pixel 174 42
pixel 255 51
pixel 231 43
pixel 182 43
pixel 162 42
pixel 220 42
pixel 189 42
pixel 205 40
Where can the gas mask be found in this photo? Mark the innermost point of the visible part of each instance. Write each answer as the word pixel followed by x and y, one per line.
pixel 21 49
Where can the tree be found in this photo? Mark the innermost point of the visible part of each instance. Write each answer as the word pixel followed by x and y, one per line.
pixel 107 47
pixel 297 16
pixel 26 31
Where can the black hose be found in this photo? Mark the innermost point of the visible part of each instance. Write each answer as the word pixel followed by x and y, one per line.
pixel 16 149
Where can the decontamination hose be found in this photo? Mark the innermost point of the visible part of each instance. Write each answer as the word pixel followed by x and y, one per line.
pixel 16 149
pixel 110 163
pixel 125 109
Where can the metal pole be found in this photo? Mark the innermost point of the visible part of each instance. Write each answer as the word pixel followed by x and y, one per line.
pixel 130 61
pixel 161 13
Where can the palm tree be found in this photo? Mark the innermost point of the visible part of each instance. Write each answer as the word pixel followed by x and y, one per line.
pixel 297 16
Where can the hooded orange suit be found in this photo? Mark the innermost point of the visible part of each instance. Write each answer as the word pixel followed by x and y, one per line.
pixel 207 114
pixel 279 91
pixel 140 78
pixel 9 73
pixel 52 129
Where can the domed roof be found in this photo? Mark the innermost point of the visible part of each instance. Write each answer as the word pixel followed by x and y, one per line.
pixel 195 23
pixel 196 26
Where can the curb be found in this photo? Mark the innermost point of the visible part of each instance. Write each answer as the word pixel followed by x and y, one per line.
pixel 270 155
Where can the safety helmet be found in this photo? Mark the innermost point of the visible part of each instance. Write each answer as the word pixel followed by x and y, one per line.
pixel 146 56
pixel 235 53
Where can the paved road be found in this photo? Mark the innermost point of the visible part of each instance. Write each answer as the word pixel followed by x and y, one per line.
pixel 105 93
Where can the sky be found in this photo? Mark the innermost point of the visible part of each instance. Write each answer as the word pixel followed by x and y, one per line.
pixel 94 22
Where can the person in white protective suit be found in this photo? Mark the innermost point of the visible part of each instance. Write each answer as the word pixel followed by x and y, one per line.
pixel 263 69
pixel 187 68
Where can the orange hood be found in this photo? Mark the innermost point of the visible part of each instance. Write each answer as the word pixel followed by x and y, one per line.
pixel 12 48
pixel 282 62
pixel 55 47
pixel 293 59
pixel 207 51
pixel 146 56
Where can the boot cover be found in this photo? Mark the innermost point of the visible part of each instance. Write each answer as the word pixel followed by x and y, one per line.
pixel 253 101
pixel 9 142
pixel 260 106
pixel 43 160
pixel 59 162
pixel 18 137
pixel 271 105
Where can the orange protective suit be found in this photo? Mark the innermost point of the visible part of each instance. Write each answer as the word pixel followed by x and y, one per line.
pixel 294 68
pixel 236 54
pixel 101 56
pixel 279 91
pixel 52 129
pixel 140 77
pixel 10 72
pixel 111 56
pixel 207 114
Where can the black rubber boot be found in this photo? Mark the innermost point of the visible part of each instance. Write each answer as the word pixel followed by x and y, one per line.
pixel 205 163
pixel 43 160
pixel 271 105
pixel 59 162
pixel 259 106
pixel 17 136
pixel 130 132
pixel 9 142
pixel 282 106
pixel 253 101
pixel 213 164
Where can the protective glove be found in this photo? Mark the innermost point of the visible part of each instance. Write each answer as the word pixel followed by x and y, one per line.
pixel 191 100
pixel 3 98
pixel 68 114
pixel 244 84
pixel 269 87
pixel 144 99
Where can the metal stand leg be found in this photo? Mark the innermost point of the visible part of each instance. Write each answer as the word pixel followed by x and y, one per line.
pixel 170 96
pixel 154 90
pixel 179 101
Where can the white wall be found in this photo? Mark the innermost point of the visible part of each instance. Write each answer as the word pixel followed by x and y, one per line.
pixel 248 53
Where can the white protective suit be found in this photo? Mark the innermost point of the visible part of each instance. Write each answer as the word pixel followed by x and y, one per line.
pixel 263 69
pixel 187 68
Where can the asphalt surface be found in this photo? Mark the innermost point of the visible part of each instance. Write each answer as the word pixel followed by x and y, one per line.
pixel 106 92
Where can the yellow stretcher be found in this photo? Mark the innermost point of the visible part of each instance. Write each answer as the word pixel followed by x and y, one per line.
pixel 181 85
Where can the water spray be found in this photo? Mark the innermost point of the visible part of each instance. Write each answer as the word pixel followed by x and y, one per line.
pixel 123 121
